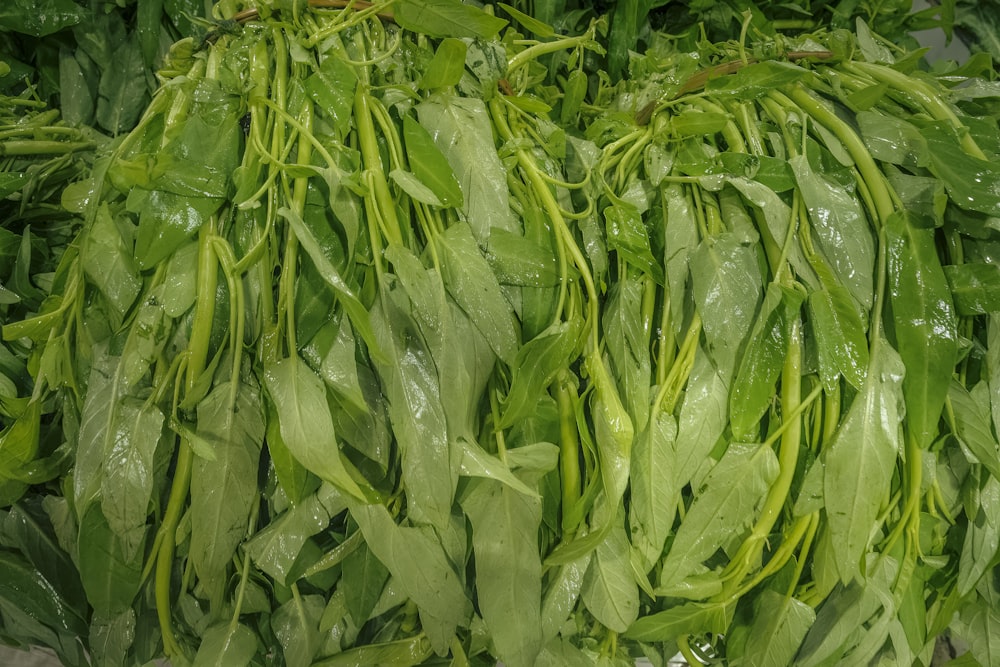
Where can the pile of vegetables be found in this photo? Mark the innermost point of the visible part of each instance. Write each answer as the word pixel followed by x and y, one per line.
pixel 401 333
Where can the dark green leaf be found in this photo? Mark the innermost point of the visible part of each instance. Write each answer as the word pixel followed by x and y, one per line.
pixel 627 235
pixel 754 385
pixel 122 90
pixel 364 578
pixel 975 288
pixel 39 18
pixel 923 321
pixel 26 589
pixel 429 164
pixel 332 89
pixel 110 577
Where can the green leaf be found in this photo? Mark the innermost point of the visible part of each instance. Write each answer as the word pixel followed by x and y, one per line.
pixel 530 23
pixel 446 18
pixel 726 284
pixel 40 18
pixel 446 67
pixel 628 346
pixel 226 645
pixel 978 624
pixel 982 537
pixel 127 484
pixel 110 576
pixel 505 526
pixel 609 588
pixel 19 443
pixel 627 235
pixel 470 281
pixel 975 288
pixel 352 305
pixel 306 426
pixel 332 88
pixel 756 79
pixel 224 489
pixel 754 385
pixel 412 388
pixel 364 578
pixel 122 90
pixel 841 617
pixel 275 548
pixel 860 461
pixel 296 625
pixel 973 426
pixel 476 462
pixel 516 260
pixel 111 637
pixel 463 132
pixel 429 164
pixel 415 557
pixel 725 503
pixel 969 180
pixel 400 653
pixel 703 417
pixel 414 187
pixel 535 366
pixel 779 626
pixel 561 596
pixel 654 491
pixel 166 222
pixel 109 263
pixel 893 139
pixel 839 334
pixel 690 618
pixel 840 229
pixel 923 321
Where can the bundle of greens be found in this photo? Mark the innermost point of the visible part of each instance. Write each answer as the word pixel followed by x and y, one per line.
pixel 93 59
pixel 396 336
pixel 40 156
